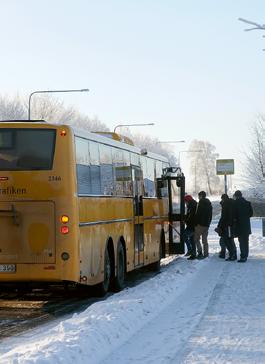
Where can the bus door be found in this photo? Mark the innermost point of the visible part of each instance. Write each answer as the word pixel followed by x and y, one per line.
pixel 137 179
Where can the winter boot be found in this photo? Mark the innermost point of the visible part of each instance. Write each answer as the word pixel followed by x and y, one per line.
pixel 200 255
pixel 191 257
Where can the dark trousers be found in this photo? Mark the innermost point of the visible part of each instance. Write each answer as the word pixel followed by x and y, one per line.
pixel 189 241
pixel 222 245
pixel 243 244
pixel 229 244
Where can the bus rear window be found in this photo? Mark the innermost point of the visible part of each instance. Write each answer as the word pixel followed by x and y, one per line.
pixel 26 149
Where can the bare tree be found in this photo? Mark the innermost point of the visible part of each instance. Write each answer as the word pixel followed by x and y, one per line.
pixel 203 166
pixel 257 26
pixel 255 156
pixel 50 109
pixel 12 108
pixel 151 144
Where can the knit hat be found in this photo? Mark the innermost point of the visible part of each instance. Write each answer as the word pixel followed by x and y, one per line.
pixel 188 198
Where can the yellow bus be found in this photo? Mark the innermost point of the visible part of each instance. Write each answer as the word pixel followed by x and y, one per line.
pixel 77 206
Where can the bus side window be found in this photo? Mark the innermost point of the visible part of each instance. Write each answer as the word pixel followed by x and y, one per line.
pixel 118 164
pixel 158 175
pixel 127 175
pixel 94 168
pixel 106 170
pixel 82 166
pixel 149 176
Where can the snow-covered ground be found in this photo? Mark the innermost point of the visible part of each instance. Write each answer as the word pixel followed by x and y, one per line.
pixel 208 311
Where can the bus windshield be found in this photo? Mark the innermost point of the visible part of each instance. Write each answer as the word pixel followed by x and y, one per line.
pixel 26 149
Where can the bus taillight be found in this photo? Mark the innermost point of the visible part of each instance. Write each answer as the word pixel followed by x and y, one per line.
pixel 64 229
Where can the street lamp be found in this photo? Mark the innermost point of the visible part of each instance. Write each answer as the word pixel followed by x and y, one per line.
pixel 50 91
pixel 171 142
pixel 120 125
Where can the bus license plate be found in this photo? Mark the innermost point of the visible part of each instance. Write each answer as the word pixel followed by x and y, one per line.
pixel 7 268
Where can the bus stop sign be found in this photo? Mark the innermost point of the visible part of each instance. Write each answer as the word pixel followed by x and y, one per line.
pixel 225 166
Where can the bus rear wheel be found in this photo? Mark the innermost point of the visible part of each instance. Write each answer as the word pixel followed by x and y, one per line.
pixel 119 280
pixel 103 287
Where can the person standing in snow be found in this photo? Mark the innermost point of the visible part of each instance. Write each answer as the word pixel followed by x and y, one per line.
pixel 243 213
pixel 203 218
pixel 225 228
pixel 190 225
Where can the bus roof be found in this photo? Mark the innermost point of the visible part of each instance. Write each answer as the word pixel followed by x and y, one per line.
pixel 95 136
pixel 99 137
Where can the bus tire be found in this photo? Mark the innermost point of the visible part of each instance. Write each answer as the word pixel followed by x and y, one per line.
pixel 103 287
pixel 119 279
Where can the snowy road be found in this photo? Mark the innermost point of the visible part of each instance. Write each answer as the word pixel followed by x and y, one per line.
pixel 208 311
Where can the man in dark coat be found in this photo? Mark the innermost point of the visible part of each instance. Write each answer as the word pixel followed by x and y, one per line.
pixel 190 225
pixel 203 218
pixel 225 228
pixel 243 213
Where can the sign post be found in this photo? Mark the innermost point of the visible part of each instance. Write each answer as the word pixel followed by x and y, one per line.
pixel 225 167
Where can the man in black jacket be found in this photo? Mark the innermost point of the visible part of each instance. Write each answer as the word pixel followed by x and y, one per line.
pixel 203 218
pixel 225 228
pixel 190 225
pixel 243 213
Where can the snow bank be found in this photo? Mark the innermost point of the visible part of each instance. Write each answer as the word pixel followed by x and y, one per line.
pixel 90 336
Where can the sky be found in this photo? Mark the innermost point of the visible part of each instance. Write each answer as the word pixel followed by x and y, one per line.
pixel 188 66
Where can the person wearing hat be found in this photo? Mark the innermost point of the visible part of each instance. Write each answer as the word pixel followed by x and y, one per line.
pixel 191 205
pixel 225 228
pixel 243 213
pixel 203 218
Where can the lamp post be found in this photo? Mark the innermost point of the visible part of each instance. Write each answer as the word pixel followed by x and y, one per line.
pixel 120 125
pixel 50 91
